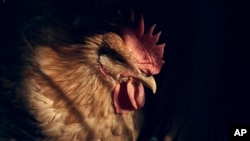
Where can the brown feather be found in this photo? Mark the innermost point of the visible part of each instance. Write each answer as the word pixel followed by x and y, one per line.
pixel 65 92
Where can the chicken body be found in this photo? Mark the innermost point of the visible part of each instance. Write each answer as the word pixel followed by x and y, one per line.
pixel 91 91
pixel 71 99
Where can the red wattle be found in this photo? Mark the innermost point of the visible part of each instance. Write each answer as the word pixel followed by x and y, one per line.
pixel 128 96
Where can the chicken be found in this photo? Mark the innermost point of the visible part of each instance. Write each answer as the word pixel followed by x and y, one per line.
pixel 91 90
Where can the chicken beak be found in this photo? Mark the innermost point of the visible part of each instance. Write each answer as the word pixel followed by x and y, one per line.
pixel 148 82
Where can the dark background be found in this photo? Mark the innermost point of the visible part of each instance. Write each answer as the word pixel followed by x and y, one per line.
pixel 203 87
pixel 207 68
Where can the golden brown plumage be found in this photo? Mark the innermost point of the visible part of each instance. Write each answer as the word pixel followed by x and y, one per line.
pixel 91 90
pixel 69 99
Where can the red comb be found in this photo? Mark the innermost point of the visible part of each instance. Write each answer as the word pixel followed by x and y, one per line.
pixel 144 47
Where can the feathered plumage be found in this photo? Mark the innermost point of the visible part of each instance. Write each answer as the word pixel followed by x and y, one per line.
pixel 90 90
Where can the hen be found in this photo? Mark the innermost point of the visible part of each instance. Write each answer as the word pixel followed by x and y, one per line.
pixel 91 90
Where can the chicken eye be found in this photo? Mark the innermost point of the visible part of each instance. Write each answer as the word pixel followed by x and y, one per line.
pixel 118 59
pixel 111 53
